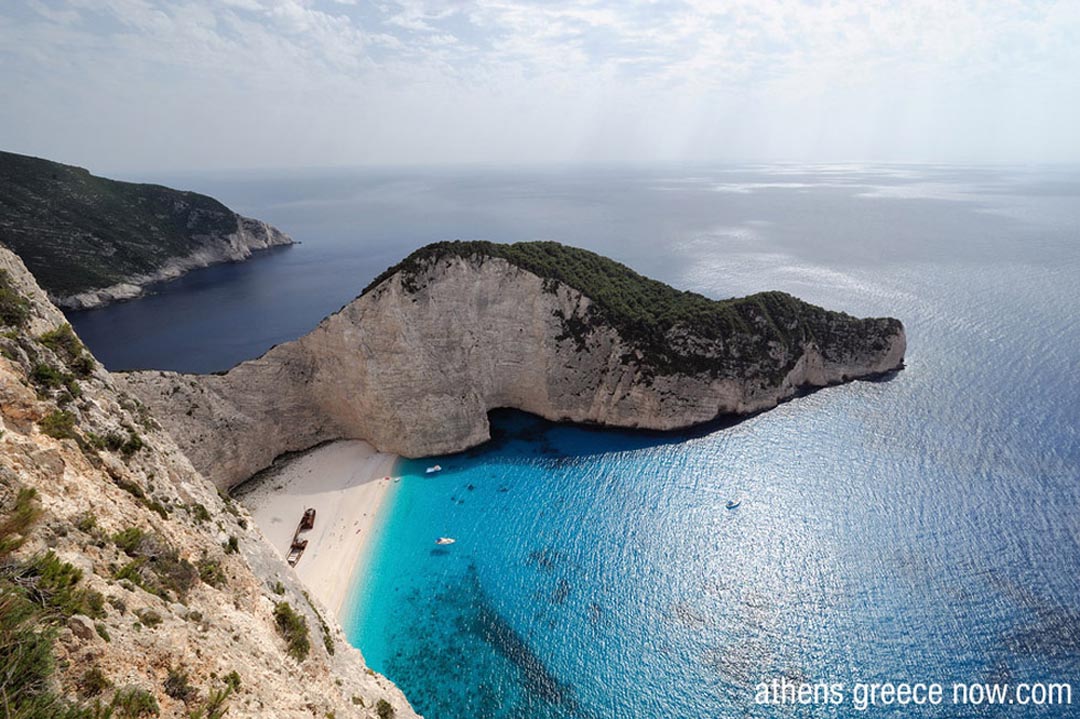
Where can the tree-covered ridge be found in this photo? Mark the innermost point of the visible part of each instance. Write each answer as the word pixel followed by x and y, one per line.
pixel 76 231
pixel 673 330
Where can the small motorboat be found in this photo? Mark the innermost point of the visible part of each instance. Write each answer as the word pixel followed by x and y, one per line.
pixel 733 503
pixel 445 540
pixel 433 469
pixel 308 520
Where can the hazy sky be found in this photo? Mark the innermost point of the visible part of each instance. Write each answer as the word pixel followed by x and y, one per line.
pixel 185 84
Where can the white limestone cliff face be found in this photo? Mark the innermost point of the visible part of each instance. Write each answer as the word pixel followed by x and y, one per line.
pixel 87 493
pixel 416 373
pixel 249 237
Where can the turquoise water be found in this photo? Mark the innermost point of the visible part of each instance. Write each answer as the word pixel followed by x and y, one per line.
pixel 924 528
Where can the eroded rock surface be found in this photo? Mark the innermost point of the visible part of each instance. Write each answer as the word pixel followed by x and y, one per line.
pixel 415 364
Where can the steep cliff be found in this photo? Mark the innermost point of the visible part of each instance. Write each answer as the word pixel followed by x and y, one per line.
pixel 90 240
pixel 127 582
pixel 415 363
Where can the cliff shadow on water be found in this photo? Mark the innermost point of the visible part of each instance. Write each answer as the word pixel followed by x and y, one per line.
pixel 513 425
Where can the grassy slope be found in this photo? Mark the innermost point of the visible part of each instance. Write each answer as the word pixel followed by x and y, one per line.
pixel 77 232
pixel 739 335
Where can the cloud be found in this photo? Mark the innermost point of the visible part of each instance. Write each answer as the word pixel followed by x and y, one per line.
pixel 223 82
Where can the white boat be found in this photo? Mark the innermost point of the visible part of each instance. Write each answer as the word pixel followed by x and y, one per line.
pixel 433 469
pixel 445 540
pixel 733 503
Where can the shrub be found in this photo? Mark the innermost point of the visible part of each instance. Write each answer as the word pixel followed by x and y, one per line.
pixel 87 522
pixel 18 520
pixel 62 341
pixel 130 487
pixel 116 442
pixel 132 444
pixel 232 680
pixel 210 572
pixel 136 491
pixel 53 583
pixel 83 365
pixel 158 569
pixel 293 628
pixel 102 631
pixel 14 308
pixel 278 587
pixel 93 682
pixel 27 661
pixel 46 375
pixel 25 654
pixel 384 709
pixel 215 703
pixel 134 703
pixel 178 686
pixel 232 546
pixel 111 441
pixel 231 508
pixel 149 617
pixel 59 424
pixel 156 506
pixel 199 512
pixel 130 540
pixel 215 707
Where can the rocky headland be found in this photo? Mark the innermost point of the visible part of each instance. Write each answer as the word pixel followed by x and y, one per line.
pixel 91 240
pixel 129 586
pixel 415 363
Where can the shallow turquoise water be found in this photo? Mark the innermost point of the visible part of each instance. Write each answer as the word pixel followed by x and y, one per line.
pixel 920 529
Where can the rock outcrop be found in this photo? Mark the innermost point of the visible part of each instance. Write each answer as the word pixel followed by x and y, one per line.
pixel 249 237
pixel 126 579
pixel 90 240
pixel 416 362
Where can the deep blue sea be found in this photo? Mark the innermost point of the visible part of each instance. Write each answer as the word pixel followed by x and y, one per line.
pixel 923 528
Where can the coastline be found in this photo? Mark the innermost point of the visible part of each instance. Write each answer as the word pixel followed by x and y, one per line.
pixel 252 236
pixel 343 482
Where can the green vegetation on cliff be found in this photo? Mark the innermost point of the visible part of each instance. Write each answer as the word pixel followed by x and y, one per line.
pixel 672 330
pixel 77 232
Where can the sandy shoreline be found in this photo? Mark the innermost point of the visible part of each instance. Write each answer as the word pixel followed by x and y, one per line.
pixel 344 482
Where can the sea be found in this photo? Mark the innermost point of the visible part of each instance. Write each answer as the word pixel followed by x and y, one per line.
pixel 922 529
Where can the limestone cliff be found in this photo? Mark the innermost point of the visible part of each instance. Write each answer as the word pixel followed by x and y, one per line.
pixel 90 240
pixel 415 363
pixel 127 582
pixel 235 245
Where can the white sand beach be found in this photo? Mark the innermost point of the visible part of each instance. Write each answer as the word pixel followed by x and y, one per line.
pixel 344 482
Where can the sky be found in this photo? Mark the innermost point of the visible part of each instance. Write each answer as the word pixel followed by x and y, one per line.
pixel 138 85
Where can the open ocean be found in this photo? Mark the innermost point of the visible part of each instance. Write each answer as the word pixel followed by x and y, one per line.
pixel 922 528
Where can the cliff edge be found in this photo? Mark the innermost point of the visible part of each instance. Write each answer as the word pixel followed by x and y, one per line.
pixel 90 240
pixel 129 587
pixel 415 363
